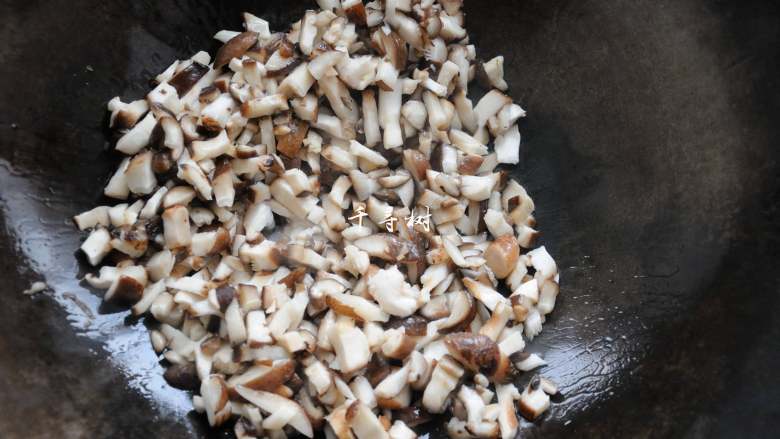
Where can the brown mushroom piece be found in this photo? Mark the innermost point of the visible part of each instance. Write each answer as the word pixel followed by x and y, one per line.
pixel 283 60
pixel 445 378
pixel 290 138
pixel 126 115
pixel 502 254
pixel 215 399
pixel 271 402
pixel 398 345
pixel 185 79
pixel 234 48
pixel 364 422
pixel 355 307
pixel 414 325
pixel 476 352
pixel 533 401
pixel 182 376
pixel 507 419
pixel 462 310
pixel 126 289
pixel 355 11
pixel 262 377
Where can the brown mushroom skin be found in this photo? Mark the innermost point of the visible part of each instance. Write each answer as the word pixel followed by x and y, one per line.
pixel 128 290
pixel 225 295
pixel 162 162
pixel 465 321
pixel 294 277
pixel 416 163
pixel 376 370
pixel 208 94
pixel 352 411
pixel 415 325
pixel 186 79
pixel 210 345
pixel 182 376
pixel 502 254
pixel 392 46
pixel 476 352
pixel 436 158
pixel 528 412
pixel 388 403
pixel 341 309
pixel 520 311
pixel 388 196
pixel 234 48
pixel 271 380
pixel 222 242
pixel 124 120
pixel 503 370
pixel 404 349
pixel 483 208
pixel 413 416
pixel 357 14
pixel 287 50
pixel 290 143
pixel 470 164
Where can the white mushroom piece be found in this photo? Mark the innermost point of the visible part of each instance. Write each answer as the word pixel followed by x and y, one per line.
pixel 317 223
pixel 534 400
pixel 281 411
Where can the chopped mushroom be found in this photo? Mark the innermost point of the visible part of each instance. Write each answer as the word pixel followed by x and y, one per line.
pixel 271 402
pixel 316 222
pixel 443 381
pixel 91 218
pixel 215 400
pixel 138 136
pixel 399 430
pixel 234 48
pixel 530 362
pixel 507 419
pixel 355 307
pixel 462 311
pixel 97 245
pixel 478 353
pixel 126 115
pixel 476 423
pixel 176 221
pixel 35 288
pixel 507 146
pixel 351 347
pixel 502 254
pixel 485 294
pixel 394 295
pixel 534 401
pixel 364 422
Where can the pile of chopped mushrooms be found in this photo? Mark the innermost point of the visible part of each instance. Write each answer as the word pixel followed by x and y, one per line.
pixel 259 190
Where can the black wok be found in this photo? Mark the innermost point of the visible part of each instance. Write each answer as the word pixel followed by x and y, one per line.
pixel 651 150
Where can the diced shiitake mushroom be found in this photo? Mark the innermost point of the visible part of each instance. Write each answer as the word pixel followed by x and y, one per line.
pixel 533 401
pixel 271 403
pixel 502 254
pixel 316 221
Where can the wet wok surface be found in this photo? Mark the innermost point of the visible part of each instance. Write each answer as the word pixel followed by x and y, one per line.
pixel 650 150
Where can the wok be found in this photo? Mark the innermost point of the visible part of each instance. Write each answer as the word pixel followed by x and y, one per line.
pixel 650 149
